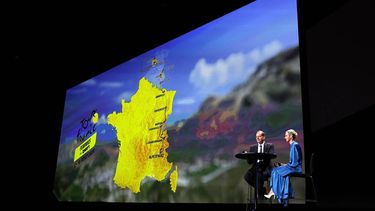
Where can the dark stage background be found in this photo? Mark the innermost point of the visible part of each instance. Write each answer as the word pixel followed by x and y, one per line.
pixel 56 48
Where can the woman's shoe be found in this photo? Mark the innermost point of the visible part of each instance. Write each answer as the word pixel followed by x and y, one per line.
pixel 268 196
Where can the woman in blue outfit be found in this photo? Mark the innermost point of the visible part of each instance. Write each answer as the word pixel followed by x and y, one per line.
pixel 280 184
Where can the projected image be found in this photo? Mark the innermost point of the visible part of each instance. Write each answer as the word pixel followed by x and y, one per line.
pixel 165 126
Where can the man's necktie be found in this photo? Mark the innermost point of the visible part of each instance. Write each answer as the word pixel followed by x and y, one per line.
pixel 260 151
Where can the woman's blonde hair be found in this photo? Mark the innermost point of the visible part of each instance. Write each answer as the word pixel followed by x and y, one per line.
pixel 293 133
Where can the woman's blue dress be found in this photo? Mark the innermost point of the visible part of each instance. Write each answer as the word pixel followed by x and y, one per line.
pixel 280 183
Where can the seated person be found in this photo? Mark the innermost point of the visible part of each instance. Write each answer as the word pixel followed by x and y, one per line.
pixel 280 184
pixel 264 166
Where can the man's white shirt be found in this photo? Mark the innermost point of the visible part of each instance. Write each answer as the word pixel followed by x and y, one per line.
pixel 260 149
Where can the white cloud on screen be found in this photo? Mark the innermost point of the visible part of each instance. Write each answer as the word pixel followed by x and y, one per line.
pixel 111 84
pixel 89 82
pixel 185 101
pixel 230 70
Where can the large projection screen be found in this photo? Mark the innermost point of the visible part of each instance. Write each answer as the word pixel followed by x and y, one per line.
pixel 165 125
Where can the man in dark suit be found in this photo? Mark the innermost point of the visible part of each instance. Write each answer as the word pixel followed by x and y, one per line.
pixel 264 166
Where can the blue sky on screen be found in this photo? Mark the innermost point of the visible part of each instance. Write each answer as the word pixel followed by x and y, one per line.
pixel 210 60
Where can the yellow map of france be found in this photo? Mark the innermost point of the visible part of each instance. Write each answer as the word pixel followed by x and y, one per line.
pixel 143 140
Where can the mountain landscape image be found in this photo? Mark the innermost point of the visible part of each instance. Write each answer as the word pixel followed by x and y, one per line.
pixel 203 146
